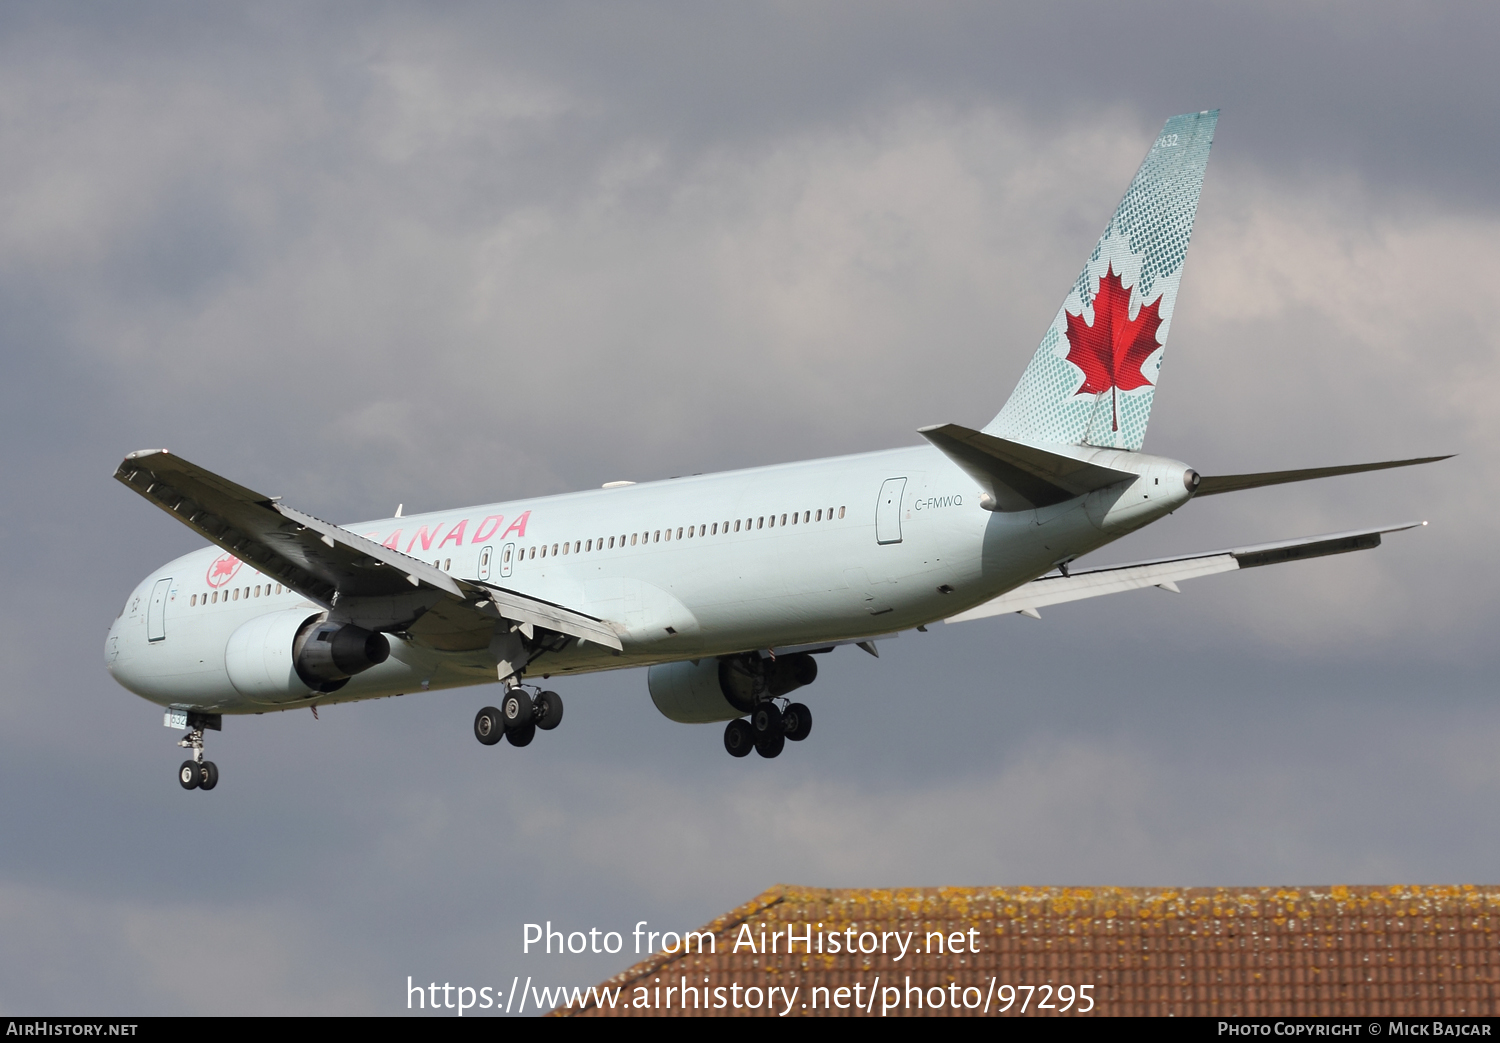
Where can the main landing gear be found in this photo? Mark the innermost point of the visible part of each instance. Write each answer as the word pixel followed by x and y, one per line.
pixel 767 729
pixel 518 717
pixel 196 773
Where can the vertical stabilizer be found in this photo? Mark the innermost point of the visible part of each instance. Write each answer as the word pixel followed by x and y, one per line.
pixel 1093 379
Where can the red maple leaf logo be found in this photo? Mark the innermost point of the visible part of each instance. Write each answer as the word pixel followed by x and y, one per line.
pixel 222 570
pixel 1112 351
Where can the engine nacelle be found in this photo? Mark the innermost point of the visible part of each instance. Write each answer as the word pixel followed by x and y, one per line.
pixel 723 689
pixel 259 656
pixel 284 656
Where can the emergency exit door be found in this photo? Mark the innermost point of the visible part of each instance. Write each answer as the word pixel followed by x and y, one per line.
pixel 888 511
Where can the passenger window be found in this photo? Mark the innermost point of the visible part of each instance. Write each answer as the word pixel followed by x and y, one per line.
pixel 278 588
pixel 841 512
pixel 588 546
pixel 716 529
pixel 565 548
pixel 236 593
pixel 762 522
pixel 447 564
pixel 783 519
pixel 820 515
pixel 193 601
pixel 669 535
pixel 532 555
pixel 611 543
pixel 679 532
pixel 773 522
pixel 554 550
pixel 632 539
pixel 658 537
pixel 807 516
pixel 736 525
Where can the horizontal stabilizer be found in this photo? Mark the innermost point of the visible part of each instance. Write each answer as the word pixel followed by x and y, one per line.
pixel 1167 572
pixel 1208 485
pixel 1015 476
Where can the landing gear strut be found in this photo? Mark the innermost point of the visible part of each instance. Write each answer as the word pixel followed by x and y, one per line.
pixel 196 773
pixel 518 717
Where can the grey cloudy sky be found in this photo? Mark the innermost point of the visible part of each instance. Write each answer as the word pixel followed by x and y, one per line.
pixel 359 255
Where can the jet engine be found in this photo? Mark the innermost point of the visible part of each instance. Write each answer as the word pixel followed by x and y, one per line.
pixel 722 689
pixel 327 654
pixel 283 656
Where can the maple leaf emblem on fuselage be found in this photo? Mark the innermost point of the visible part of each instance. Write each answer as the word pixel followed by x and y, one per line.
pixel 1112 351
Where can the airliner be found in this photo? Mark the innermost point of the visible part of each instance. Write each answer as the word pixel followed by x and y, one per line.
pixel 727 587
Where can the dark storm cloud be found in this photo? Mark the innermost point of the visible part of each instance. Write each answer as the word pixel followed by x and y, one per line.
pixel 359 256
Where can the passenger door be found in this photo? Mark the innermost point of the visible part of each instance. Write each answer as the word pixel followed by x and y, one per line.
pixel 888 511
pixel 156 611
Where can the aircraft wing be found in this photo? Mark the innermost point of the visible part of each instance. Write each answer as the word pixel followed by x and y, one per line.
pixel 1166 572
pixel 375 586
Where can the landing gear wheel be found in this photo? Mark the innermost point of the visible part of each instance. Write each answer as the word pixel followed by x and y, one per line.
pixel 796 722
pixel 738 738
pixel 548 711
pixel 488 728
pixel 766 720
pixel 515 710
pixel 521 736
pixel 770 745
pixel 208 775
pixel 188 775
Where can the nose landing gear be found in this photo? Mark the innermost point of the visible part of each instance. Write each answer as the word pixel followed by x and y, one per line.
pixel 196 773
pixel 518 717
pixel 768 729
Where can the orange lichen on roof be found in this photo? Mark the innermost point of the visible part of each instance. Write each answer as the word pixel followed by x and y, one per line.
pixel 1267 951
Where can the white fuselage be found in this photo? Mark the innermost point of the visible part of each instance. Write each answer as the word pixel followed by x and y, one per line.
pixel 770 557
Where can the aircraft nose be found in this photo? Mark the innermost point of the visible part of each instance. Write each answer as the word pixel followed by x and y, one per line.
pixel 112 646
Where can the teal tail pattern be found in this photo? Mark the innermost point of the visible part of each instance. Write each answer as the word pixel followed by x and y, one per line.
pixel 1092 380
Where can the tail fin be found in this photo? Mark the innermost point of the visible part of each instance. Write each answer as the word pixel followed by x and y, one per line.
pixel 1093 379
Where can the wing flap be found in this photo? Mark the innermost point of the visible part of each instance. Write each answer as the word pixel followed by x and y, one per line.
pixel 536 612
pixel 1112 579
